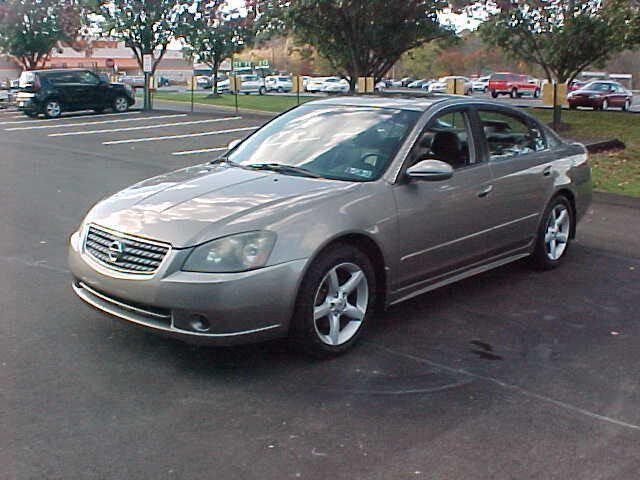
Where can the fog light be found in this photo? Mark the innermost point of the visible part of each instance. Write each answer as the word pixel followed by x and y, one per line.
pixel 199 323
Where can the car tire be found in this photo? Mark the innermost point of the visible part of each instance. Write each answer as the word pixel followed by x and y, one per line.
pixel 328 318
pixel 120 104
pixel 572 106
pixel 627 105
pixel 494 94
pixel 536 93
pixel 485 90
pixel 280 90
pixel 262 91
pixel 514 93
pixel 554 234
pixel 605 105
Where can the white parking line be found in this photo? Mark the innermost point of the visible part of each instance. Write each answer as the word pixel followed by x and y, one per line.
pixel 202 150
pixel 82 124
pixel 69 117
pixel 144 127
pixel 186 135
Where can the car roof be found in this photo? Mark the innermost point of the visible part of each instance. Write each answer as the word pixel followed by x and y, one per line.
pixel 418 103
pixel 59 70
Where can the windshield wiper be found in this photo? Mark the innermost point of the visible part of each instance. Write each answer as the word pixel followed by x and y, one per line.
pixel 284 169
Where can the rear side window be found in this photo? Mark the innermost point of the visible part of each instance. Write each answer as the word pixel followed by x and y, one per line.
pixel 60 78
pixel 509 136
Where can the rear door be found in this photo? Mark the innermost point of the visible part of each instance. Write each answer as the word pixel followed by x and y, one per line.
pixel 520 161
pixel 91 92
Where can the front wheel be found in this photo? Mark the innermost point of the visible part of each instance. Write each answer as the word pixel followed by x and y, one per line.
pixel 494 94
pixel 335 301
pixel 52 109
pixel 514 93
pixel 605 105
pixel 627 106
pixel 262 91
pixel 120 104
pixel 554 235
pixel 536 93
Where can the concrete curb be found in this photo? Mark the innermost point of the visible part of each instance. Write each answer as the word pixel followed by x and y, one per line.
pixel 616 199
pixel 606 146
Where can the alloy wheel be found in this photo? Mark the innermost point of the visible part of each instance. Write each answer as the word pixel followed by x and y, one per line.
pixel 605 105
pixel 557 232
pixel 120 104
pixel 340 304
pixel 53 109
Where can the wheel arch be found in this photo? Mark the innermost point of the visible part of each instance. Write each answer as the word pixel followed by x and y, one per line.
pixel 367 245
pixel 570 196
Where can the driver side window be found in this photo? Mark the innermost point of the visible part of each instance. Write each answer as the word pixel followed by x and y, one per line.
pixel 447 138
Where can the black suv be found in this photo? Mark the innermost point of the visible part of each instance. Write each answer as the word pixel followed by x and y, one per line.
pixel 52 92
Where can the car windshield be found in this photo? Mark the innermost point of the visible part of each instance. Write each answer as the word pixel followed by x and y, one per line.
pixel 336 142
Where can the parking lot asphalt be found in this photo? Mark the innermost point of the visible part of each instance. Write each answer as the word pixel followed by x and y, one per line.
pixel 513 374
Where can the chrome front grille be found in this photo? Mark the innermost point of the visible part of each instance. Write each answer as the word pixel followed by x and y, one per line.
pixel 124 253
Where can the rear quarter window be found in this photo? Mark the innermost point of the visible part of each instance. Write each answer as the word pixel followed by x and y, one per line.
pixel 508 135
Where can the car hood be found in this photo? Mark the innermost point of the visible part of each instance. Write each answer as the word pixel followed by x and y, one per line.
pixel 197 204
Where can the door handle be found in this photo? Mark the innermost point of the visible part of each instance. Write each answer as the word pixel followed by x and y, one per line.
pixel 547 171
pixel 485 191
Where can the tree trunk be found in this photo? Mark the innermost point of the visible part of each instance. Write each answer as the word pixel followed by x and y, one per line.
pixel 557 108
pixel 216 67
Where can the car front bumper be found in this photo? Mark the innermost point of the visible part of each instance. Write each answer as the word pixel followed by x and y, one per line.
pixel 236 307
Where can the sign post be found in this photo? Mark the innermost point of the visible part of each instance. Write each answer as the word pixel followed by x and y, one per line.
pixel 147 67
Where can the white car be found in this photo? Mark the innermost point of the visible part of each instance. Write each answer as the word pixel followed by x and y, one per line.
pixel 203 81
pixel 441 85
pixel 252 84
pixel 481 84
pixel 314 84
pixel 278 83
pixel 224 85
pixel 335 85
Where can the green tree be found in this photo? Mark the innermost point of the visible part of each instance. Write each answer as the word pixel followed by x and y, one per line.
pixel 212 33
pixel 359 37
pixel 146 26
pixel 31 29
pixel 563 37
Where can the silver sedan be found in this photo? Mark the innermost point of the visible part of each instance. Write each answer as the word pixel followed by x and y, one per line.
pixel 326 213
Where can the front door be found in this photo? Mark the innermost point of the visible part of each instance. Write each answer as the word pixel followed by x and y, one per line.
pixel 443 224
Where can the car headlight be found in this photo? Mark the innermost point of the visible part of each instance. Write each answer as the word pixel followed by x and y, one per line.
pixel 236 253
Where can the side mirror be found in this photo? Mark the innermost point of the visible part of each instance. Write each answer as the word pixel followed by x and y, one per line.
pixel 430 170
pixel 233 144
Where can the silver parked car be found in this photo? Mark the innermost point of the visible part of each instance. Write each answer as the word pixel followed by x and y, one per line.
pixel 328 211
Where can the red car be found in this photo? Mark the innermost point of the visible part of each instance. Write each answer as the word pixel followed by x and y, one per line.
pixel 513 84
pixel 600 95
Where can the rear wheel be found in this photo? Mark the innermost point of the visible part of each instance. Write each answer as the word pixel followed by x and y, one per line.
pixel 514 93
pixel 52 109
pixel 494 94
pixel 627 105
pixel 262 91
pixel 120 104
pixel 605 104
pixel 536 93
pixel 335 301
pixel 554 234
